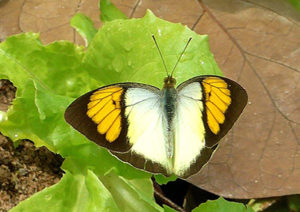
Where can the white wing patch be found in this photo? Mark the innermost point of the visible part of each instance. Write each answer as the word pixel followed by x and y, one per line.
pixel 147 129
pixel 189 127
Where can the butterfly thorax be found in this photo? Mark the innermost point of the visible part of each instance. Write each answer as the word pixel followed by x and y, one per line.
pixel 169 96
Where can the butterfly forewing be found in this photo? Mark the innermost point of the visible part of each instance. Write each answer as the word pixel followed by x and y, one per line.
pixel 207 107
pixel 146 125
pixel 223 101
pixel 100 116
pixel 189 128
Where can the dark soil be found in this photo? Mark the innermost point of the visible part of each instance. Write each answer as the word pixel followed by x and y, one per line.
pixel 7 94
pixel 24 170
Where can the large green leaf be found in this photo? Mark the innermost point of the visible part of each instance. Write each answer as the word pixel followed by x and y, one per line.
pixel 75 192
pixel 48 78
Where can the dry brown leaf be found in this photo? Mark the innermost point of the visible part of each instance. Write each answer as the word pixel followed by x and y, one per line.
pixel 255 42
pixel 260 48
pixel 50 18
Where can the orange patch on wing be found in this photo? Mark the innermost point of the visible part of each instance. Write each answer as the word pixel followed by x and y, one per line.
pixel 212 123
pixel 104 109
pixel 114 131
pixel 217 96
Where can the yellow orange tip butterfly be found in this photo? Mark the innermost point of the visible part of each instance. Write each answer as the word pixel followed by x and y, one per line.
pixel 168 131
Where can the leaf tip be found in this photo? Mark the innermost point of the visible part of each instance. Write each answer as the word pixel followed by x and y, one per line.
pixel 149 13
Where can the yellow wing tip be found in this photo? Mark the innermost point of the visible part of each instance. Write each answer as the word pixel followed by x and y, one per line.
pixel 218 99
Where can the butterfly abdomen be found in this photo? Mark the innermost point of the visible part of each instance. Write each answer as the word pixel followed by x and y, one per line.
pixel 169 108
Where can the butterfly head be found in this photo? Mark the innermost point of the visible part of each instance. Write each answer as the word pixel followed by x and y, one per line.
pixel 169 82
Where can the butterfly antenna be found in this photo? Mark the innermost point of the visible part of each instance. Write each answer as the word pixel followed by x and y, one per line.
pixel 181 55
pixel 160 55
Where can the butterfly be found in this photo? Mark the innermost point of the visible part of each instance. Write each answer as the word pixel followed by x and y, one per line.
pixel 168 131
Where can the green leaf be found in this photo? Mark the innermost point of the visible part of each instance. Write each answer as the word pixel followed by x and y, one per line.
pixel 75 192
pixel 261 204
pixel 222 205
pixel 131 195
pixel 296 4
pixel 161 179
pixel 92 155
pixel 109 12
pixel 128 53
pixel 24 58
pixel 84 26
pixel 168 209
pixel 294 202
pixel 47 78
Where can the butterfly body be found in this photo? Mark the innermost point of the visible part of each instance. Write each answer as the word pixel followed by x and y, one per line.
pixel 169 131
pixel 169 96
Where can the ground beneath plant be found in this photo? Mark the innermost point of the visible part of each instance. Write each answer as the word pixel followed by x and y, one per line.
pixel 25 170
